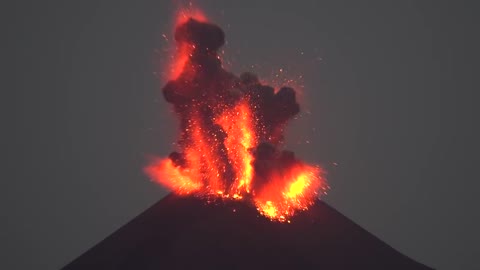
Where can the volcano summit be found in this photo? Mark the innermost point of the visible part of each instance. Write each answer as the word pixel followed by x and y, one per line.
pixel 238 201
pixel 185 232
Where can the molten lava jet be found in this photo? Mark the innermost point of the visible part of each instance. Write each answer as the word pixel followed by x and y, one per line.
pixel 231 132
pixel 230 153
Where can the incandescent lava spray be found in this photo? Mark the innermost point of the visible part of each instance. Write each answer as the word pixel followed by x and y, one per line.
pixel 231 132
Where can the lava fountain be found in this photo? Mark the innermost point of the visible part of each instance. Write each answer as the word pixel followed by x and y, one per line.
pixel 230 151
pixel 231 132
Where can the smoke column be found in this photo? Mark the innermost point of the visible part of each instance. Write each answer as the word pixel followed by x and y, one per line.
pixel 231 132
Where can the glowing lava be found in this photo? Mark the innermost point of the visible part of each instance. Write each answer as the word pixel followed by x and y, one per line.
pixel 231 131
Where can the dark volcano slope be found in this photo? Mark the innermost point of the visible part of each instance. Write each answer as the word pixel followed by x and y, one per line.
pixel 187 233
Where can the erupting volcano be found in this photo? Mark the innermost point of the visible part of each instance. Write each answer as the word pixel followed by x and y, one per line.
pixel 231 132
pixel 231 178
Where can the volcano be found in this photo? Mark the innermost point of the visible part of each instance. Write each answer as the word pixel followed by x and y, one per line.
pixel 239 199
pixel 187 232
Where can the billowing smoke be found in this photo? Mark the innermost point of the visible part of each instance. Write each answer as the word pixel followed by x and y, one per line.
pixel 231 131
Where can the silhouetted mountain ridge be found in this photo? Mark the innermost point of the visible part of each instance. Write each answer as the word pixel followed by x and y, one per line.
pixel 189 233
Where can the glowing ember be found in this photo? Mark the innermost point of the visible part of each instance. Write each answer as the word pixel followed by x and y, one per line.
pixel 231 131
pixel 293 189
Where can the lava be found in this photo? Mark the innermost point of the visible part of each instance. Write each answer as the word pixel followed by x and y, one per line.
pixel 231 131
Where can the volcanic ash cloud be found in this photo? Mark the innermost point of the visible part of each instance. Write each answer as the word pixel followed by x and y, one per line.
pixel 231 132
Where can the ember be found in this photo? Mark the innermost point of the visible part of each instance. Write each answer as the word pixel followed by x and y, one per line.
pixel 231 131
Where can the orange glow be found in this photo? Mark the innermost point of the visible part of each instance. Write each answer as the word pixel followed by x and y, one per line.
pixel 241 138
pixel 203 164
pixel 289 191
pixel 184 14
pixel 181 180
pixel 182 54
pixel 183 51
pixel 223 124
pixel 285 192
pixel 206 158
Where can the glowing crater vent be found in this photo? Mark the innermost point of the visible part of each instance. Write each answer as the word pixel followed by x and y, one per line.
pixel 231 131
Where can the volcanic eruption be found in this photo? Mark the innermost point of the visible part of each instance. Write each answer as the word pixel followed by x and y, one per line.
pixel 238 201
pixel 231 132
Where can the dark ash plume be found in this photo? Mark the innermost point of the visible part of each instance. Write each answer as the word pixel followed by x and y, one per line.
pixel 204 90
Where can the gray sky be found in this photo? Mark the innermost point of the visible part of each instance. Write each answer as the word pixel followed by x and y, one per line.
pixel 389 86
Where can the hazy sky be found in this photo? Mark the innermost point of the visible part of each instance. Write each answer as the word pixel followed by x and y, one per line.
pixel 390 91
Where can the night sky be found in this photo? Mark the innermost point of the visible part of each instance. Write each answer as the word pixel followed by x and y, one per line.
pixel 390 97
